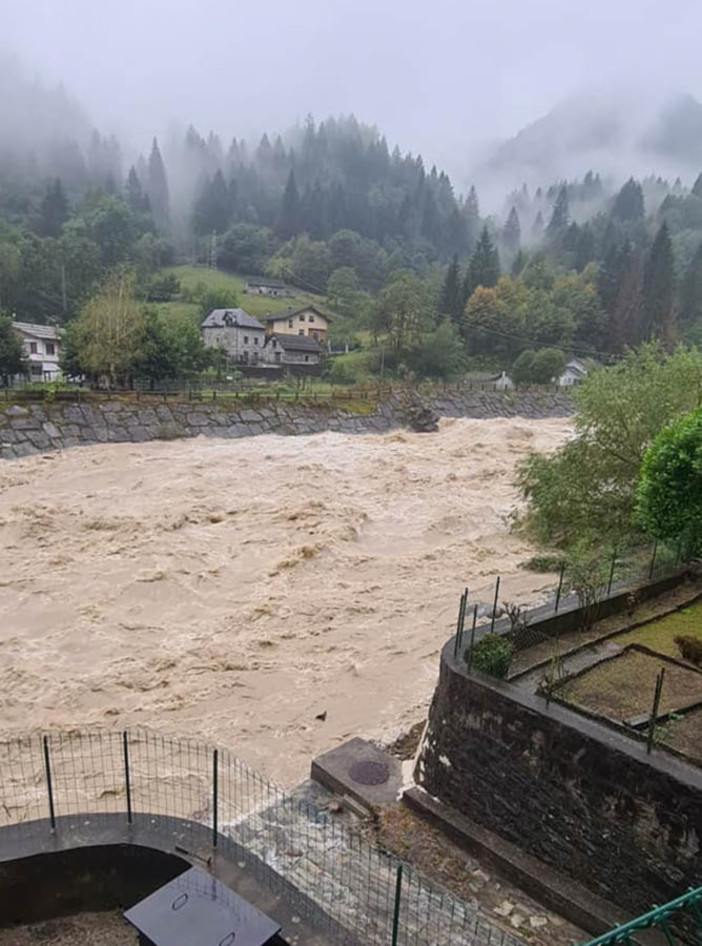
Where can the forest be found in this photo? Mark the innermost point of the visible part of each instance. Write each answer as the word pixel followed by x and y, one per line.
pixel 418 279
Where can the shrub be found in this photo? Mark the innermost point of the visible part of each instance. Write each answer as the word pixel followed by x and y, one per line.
pixel 544 564
pixel 493 655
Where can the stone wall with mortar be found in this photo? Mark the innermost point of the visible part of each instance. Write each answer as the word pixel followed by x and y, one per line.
pixel 584 799
pixel 37 427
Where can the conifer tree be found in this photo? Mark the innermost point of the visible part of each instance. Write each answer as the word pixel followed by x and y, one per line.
pixel 537 229
pixel 484 266
pixel 289 223
pixel 561 213
pixel 624 325
pixel 691 293
pixel 659 315
pixel 451 296
pixel 53 209
pixel 697 186
pixel 512 232
pixel 472 214
pixel 134 193
pixel 158 188
pixel 628 205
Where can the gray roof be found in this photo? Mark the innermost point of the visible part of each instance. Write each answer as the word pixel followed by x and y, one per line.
pixel 38 331
pixel 270 283
pixel 297 342
pixel 291 311
pixel 236 318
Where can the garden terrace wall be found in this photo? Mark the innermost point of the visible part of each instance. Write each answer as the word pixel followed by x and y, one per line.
pixel 585 800
pixel 38 427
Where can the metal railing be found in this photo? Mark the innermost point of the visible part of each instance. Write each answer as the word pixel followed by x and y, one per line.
pixel 687 908
pixel 365 894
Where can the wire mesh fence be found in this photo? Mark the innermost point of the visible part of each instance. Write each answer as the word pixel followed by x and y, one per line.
pixel 294 846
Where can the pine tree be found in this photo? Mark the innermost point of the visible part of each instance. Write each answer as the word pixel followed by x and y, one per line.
pixel 628 205
pixel 512 232
pixel 158 188
pixel 537 229
pixel 53 209
pixel 585 250
pixel 451 296
pixel 134 193
pixel 561 214
pixel 472 214
pixel 697 187
pixel 659 315
pixel 289 223
pixel 691 293
pixel 484 266
pixel 624 326
pixel 608 278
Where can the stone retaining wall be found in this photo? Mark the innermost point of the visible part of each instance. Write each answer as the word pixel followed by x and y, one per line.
pixel 37 427
pixel 575 794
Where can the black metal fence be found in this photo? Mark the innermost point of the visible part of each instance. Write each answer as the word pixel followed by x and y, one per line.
pixel 366 895
pixel 586 588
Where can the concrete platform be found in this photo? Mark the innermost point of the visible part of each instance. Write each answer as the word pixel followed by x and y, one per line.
pixel 361 771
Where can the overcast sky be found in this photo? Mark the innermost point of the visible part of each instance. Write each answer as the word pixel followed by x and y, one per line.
pixel 434 76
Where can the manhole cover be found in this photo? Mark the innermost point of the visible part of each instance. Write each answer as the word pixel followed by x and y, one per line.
pixel 370 773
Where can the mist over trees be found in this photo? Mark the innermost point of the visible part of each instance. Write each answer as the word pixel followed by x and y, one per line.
pixel 588 266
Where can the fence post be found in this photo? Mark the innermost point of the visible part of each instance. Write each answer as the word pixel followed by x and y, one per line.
pixel 459 623
pixel 215 794
pixel 611 572
pixel 654 710
pixel 472 637
pixel 47 766
pixel 396 912
pixel 560 586
pixel 653 560
pixel 494 607
pixel 125 748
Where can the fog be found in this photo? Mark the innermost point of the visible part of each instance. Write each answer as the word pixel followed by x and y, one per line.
pixel 446 79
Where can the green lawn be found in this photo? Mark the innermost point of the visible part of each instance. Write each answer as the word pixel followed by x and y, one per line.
pixel 258 306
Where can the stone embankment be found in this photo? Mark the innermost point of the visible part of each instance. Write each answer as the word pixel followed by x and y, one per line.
pixel 38 427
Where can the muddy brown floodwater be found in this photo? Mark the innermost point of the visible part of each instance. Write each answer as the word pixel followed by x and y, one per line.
pixel 234 590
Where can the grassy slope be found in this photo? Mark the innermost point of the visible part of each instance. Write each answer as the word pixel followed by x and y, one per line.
pixel 258 306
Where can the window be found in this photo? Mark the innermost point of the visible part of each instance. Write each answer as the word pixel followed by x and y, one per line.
pixel 246 339
pixel 302 318
pixel 290 325
pixel 50 348
pixel 301 332
pixel 307 357
pixel 255 339
pixel 32 348
pixel 37 370
pixel 311 318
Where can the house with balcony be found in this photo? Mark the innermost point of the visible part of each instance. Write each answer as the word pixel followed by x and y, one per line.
pixel 307 321
pixel 41 345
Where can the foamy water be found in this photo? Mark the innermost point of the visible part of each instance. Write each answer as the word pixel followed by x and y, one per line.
pixel 233 590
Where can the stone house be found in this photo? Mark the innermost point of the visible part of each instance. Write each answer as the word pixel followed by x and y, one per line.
pixel 308 321
pixel 41 348
pixel 258 286
pixel 293 350
pixel 238 333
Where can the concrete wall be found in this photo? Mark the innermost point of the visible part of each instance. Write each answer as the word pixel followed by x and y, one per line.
pixel 571 792
pixel 37 427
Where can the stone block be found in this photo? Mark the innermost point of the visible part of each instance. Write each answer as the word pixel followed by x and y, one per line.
pixel 138 434
pixel 25 423
pixel 198 420
pixel 39 439
pixel 50 429
pixel 16 410
pixel 147 417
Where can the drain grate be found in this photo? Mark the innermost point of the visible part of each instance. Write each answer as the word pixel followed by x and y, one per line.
pixel 370 773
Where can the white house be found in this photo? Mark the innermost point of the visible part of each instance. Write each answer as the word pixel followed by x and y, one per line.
pixel 238 333
pixel 574 372
pixel 41 347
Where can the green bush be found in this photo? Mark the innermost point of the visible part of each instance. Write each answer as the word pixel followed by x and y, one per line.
pixel 544 564
pixel 493 655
